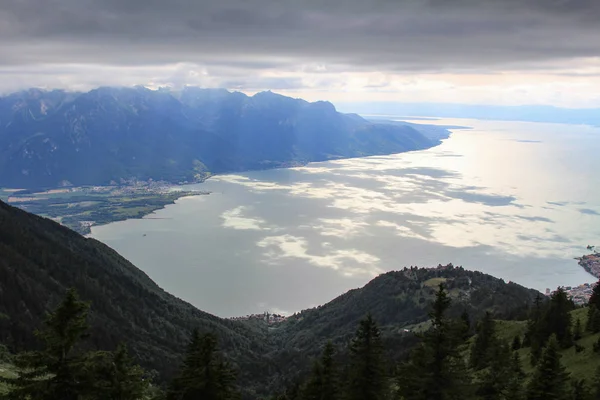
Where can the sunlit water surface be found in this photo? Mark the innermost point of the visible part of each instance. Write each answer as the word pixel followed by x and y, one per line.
pixel 516 200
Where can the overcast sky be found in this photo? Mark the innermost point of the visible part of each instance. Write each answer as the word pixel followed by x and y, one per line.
pixel 467 51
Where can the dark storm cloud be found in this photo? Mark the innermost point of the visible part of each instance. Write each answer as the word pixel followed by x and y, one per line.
pixel 387 34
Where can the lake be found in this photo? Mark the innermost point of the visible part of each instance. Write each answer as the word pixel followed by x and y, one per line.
pixel 516 200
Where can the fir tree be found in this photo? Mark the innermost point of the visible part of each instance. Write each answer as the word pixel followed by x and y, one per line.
pixel 516 343
pixel 593 315
pixel 59 371
pixel 534 336
pixel 312 391
pixel 550 381
pixel 436 370
pixel 465 325
pixel 596 385
pixel 330 388
pixel 117 377
pixel 596 345
pixel 485 343
pixel 367 371
pixel 514 389
pixel 595 296
pixel 323 383
pixel 579 390
pixel 593 319
pixel 577 330
pixel 203 374
pixel 557 318
pixel 496 378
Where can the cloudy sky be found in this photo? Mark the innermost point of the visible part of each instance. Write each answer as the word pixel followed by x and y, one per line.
pixel 463 51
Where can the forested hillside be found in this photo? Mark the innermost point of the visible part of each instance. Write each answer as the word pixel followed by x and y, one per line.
pixel 40 260
pixel 400 303
pixel 52 138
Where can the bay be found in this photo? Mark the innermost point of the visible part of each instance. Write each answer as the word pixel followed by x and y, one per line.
pixel 513 199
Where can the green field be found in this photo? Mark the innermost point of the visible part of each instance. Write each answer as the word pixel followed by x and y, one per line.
pixel 80 208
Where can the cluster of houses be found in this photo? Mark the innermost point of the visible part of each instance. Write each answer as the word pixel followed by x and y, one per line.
pixel 579 294
pixel 591 263
pixel 267 317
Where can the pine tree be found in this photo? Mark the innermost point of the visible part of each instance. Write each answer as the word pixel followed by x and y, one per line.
pixel 367 372
pixel 117 377
pixel 484 344
pixel 496 378
pixel 203 374
pixel 312 391
pixel 579 390
pixel 465 325
pixel 557 318
pixel 596 345
pixel 323 383
pixel 551 319
pixel 516 343
pixel 534 336
pixel 436 370
pixel 514 389
pixel 550 381
pixel 577 330
pixel 595 297
pixel 330 388
pixel 593 319
pixel 593 315
pixel 59 371
pixel 596 385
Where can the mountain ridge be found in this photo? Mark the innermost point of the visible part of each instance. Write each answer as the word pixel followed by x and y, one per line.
pixel 108 135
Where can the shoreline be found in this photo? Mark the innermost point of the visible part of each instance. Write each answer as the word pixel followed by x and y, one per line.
pixel 128 199
pixel 590 263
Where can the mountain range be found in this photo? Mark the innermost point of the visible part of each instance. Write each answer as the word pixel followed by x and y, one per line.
pixel 110 135
pixel 40 259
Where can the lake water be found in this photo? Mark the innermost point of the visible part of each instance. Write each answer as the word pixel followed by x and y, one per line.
pixel 515 200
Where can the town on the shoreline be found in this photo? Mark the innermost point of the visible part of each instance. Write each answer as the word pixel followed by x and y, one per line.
pixel 581 294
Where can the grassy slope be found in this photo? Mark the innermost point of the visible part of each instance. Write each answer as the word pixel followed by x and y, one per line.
pixel 580 365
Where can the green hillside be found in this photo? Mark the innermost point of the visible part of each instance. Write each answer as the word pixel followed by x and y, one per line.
pixel 581 365
pixel 41 259
pixel 400 302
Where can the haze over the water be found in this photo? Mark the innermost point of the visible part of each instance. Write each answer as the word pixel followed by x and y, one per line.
pixel 516 200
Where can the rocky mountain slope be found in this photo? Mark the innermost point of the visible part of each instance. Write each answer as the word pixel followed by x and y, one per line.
pixel 54 138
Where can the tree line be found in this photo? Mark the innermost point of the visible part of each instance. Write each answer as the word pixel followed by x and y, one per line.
pixel 455 359
pixel 62 370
